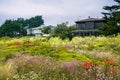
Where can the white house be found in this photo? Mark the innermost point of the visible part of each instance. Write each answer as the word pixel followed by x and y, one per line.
pixel 34 31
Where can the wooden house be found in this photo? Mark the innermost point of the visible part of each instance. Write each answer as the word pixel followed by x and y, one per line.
pixel 87 27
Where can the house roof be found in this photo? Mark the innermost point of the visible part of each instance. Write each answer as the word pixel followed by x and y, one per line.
pixel 90 20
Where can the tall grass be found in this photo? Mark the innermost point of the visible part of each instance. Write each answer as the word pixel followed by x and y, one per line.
pixel 34 58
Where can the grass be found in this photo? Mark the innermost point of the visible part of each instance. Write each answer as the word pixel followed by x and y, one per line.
pixel 34 58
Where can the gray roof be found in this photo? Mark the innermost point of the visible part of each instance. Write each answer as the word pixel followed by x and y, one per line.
pixel 90 20
pixel 92 30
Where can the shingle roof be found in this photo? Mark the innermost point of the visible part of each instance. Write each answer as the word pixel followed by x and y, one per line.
pixel 90 19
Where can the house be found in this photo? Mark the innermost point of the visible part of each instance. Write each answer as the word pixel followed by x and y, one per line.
pixel 88 27
pixel 36 31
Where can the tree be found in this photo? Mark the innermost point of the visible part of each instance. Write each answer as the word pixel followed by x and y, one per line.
pixel 112 17
pixel 46 30
pixel 12 29
pixel 35 21
pixel 63 31
pixel 23 22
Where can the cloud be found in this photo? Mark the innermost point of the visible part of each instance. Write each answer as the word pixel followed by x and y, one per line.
pixel 53 11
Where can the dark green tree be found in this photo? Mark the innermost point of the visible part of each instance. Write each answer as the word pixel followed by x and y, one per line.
pixel 112 17
pixel 35 21
pixel 23 22
pixel 12 29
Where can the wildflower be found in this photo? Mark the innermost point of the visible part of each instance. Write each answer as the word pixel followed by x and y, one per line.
pixel 113 69
pixel 71 64
pixel 86 65
pixel 17 43
pixel 109 62
pixel 93 64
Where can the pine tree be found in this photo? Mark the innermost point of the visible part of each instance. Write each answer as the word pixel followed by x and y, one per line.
pixel 112 17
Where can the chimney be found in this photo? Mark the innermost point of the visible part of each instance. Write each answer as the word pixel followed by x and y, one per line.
pixel 88 17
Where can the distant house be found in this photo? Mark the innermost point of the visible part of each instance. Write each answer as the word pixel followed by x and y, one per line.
pixel 87 27
pixel 34 31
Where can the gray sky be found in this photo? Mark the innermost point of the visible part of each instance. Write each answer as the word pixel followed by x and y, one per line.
pixel 53 11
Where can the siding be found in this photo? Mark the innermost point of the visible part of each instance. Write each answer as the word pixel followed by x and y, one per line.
pixel 89 25
pixel 85 26
pixel 97 25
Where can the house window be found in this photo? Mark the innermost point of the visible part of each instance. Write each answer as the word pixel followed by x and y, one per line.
pixel 81 26
pixel 78 26
pixel 97 25
pixel 89 25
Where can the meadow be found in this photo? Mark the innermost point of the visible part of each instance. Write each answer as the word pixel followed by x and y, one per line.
pixel 39 58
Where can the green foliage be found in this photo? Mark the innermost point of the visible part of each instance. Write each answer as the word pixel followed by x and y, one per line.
pixel 35 21
pixel 59 49
pixel 113 19
pixel 23 22
pixel 16 28
pixel 42 49
pixel 32 58
pixel 63 31
pixel 46 30
pixel 64 54
pixel 12 29
pixel 5 38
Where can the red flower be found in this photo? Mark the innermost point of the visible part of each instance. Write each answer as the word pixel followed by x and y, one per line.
pixel 93 64
pixel 109 62
pixel 113 69
pixel 86 65
pixel 17 43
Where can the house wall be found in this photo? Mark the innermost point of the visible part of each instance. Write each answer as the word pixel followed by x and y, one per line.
pixel 80 26
pixel 34 31
pixel 88 25
pixel 85 26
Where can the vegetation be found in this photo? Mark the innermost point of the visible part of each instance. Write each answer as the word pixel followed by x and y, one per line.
pixel 34 58
pixel 113 19
pixel 47 30
pixel 63 31
pixel 62 56
pixel 35 21
pixel 12 29
pixel 16 28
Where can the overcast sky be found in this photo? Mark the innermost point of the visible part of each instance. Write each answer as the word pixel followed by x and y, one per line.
pixel 53 11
